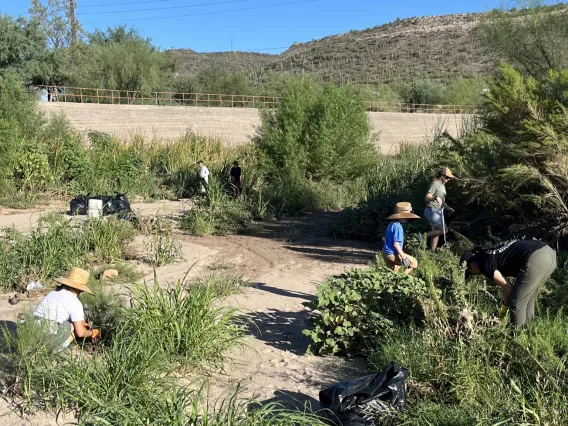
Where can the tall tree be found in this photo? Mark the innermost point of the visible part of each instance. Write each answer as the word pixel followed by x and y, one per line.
pixel 58 20
pixel 22 48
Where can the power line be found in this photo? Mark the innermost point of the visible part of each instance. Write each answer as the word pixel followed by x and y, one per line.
pixel 201 14
pixel 163 8
pixel 120 4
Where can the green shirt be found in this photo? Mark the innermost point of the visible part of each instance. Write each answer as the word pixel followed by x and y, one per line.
pixel 437 189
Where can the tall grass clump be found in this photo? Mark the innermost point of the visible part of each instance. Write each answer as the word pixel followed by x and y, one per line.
pixel 188 325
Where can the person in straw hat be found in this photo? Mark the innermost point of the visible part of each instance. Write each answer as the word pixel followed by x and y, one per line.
pixel 435 205
pixel 393 254
pixel 62 311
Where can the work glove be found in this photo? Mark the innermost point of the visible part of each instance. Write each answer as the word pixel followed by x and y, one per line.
pixel 406 262
pixel 96 334
pixel 503 312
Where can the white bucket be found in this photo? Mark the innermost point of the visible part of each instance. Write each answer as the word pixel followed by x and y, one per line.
pixel 95 208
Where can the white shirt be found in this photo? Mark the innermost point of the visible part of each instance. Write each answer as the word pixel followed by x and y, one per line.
pixel 60 306
pixel 204 174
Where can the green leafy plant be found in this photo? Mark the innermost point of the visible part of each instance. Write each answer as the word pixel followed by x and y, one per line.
pixel 360 306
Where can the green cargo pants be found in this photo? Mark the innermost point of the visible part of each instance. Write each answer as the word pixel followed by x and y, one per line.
pixel 539 268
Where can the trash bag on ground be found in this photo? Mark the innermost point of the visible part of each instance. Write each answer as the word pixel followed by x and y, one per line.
pixel 122 204
pixel 117 204
pixel 365 400
pixel 79 204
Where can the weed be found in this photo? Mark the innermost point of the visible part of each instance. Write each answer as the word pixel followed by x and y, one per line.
pixel 224 284
pixel 163 249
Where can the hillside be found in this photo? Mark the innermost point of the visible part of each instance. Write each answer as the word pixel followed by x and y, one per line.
pixel 436 47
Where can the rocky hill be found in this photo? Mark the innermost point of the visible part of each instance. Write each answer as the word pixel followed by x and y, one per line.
pixel 435 47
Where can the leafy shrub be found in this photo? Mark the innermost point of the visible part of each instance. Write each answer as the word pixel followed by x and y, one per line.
pixel 426 92
pixel 360 306
pixel 315 133
pixel 32 170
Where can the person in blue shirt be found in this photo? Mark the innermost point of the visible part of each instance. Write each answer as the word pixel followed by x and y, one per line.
pixel 393 254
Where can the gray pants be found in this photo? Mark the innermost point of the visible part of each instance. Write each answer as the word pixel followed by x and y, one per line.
pixel 539 268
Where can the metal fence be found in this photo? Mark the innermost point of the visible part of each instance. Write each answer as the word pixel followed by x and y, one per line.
pixel 132 97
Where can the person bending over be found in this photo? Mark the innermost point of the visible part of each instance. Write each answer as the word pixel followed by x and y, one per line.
pixel 62 312
pixel 531 262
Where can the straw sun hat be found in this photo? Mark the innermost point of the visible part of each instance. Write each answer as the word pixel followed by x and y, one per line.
pixel 403 210
pixel 78 279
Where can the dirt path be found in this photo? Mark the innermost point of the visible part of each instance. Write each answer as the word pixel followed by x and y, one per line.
pixel 286 260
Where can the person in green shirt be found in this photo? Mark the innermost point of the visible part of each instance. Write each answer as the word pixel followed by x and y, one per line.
pixel 435 205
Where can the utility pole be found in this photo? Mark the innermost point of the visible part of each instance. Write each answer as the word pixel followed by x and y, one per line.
pixel 73 21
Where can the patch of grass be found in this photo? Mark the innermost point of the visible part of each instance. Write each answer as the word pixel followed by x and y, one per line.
pixel 58 244
pixel 224 284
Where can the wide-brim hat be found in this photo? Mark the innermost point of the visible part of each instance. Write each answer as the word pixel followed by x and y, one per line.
pixel 445 171
pixel 403 210
pixel 77 279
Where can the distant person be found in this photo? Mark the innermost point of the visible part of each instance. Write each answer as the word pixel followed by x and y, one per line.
pixel 236 178
pixel 49 94
pixel 531 262
pixel 203 177
pixel 436 203
pixel 393 253
pixel 43 95
pixel 62 312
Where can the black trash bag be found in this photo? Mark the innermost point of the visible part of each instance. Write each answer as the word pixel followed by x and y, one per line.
pixel 79 205
pixel 360 402
pixel 122 204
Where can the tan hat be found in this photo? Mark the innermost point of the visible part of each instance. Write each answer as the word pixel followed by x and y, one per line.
pixel 445 171
pixel 403 210
pixel 78 279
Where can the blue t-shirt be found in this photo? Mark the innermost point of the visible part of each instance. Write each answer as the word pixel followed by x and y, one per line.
pixel 393 235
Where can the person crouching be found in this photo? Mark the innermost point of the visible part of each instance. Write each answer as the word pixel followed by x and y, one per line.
pixel 62 312
pixel 393 253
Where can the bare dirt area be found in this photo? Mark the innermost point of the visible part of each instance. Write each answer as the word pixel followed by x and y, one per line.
pixel 285 260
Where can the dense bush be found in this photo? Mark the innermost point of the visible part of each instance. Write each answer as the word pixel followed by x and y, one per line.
pixel 360 306
pixel 426 92
pixel 315 133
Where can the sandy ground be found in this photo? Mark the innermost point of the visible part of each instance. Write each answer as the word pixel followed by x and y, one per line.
pixel 286 260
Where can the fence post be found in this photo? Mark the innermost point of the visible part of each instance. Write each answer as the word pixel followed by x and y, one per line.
pixel 196 99
pixel 232 101
pixel 183 99
pixel 81 92
pixel 253 98
pixel 170 98
pixel 220 100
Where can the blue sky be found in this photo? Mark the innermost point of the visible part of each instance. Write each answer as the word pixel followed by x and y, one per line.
pixel 269 26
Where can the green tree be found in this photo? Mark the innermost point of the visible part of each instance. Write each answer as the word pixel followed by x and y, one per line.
pixel 123 60
pixel 57 19
pixel 22 48
pixel 534 39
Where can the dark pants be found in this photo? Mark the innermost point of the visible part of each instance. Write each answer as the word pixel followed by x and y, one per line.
pixel 539 268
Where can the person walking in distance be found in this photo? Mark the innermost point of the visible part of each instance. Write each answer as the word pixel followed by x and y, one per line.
pixel 236 178
pixel 531 262
pixel 203 177
pixel 393 254
pixel 435 205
